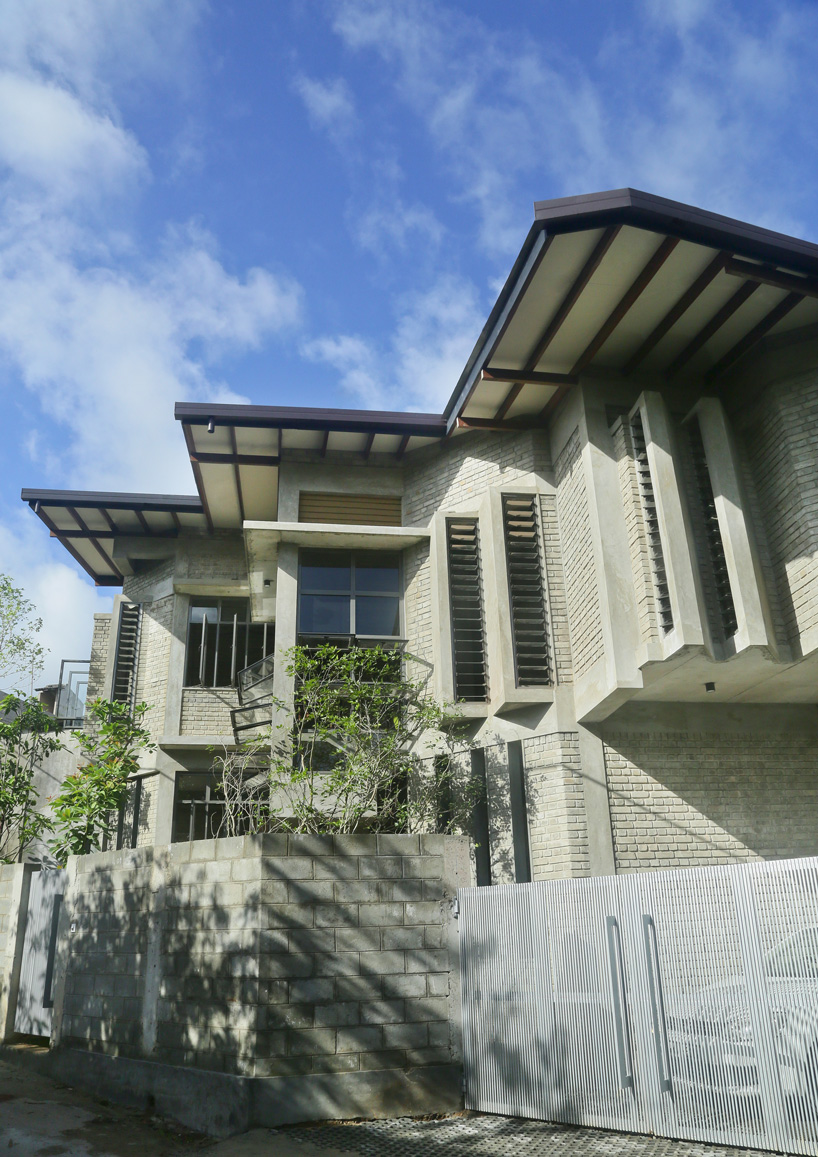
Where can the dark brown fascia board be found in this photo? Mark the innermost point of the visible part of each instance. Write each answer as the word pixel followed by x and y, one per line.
pixel 313 418
pixel 634 207
pixel 161 503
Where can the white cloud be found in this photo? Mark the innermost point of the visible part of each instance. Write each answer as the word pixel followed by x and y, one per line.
pixel 48 137
pixel 419 365
pixel 689 99
pixel 329 106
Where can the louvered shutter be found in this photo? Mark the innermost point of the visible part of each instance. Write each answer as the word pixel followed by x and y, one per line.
pixel 466 602
pixel 712 531
pixel 664 611
pixel 350 509
pixel 127 652
pixel 529 621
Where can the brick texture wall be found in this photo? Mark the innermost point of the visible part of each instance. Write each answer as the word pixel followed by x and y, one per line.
pixel 206 711
pixel 558 830
pixel 266 956
pixel 99 658
pixel 781 434
pixel 555 581
pixel 445 478
pixel 688 799
pixel 582 599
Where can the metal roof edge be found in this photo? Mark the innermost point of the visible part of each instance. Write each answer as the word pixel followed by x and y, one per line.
pixel 312 418
pixel 113 501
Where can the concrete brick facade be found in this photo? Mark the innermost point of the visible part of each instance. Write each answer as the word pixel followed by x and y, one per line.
pixel 695 798
pixel 206 710
pixel 558 824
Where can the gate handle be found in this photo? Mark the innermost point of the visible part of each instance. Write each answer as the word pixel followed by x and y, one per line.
pixel 657 1001
pixel 623 1036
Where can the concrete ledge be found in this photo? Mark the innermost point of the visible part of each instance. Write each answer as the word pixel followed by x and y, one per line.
pixel 222 1105
pixel 339 1096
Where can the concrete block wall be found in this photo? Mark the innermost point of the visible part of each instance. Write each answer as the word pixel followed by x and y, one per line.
pixel 10 879
pixel 558 828
pixel 99 657
pixel 268 956
pixel 637 538
pixel 582 597
pixel 206 711
pixel 555 584
pixel 154 656
pixel 695 798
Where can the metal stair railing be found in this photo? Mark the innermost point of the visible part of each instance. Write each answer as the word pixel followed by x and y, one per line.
pixel 254 685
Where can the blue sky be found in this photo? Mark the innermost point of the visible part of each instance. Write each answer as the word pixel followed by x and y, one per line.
pixel 315 202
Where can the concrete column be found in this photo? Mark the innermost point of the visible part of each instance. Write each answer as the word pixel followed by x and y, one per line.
pixel 597 804
pixel 286 632
pixel 12 962
pixel 176 665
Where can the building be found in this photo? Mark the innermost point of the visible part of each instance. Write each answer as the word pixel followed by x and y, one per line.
pixel 605 547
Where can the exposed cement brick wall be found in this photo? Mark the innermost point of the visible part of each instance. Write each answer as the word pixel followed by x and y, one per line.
pixel 465 467
pixel 417 604
pixel 266 956
pixel 99 658
pixel 555 583
pixel 206 711
pixel 781 434
pixel 635 523
pixel 556 806
pixel 692 799
pixel 582 599
pixel 154 657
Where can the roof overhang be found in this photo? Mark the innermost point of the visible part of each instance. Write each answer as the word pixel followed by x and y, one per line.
pixel 235 451
pixel 87 523
pixel 631 283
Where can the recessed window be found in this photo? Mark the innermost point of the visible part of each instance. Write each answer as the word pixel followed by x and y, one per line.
pixel 349 593
pixel 466 606
pixel 221 641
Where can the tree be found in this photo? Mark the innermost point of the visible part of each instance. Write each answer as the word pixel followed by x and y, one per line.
pixel 19 649
pixel 85 811
pixel 365 748
pixel 27 736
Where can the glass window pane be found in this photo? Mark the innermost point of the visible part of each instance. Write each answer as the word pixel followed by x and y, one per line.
pixel 377 616
pixel 202 607
pixel 194 640
pixel 377 571
pixel 325 614
pixel 230 607
pixel 326 570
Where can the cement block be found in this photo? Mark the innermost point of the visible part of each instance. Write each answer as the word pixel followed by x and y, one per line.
pixel 381 867
pixel 382 962
pixel 383 1012
pixel 306 1042
pixel 355 845
pixel 337 1015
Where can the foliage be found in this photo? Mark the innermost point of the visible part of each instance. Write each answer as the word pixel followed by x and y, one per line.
pixel 85 811
pixel 27 736
pixel 19 649
pixel 365 748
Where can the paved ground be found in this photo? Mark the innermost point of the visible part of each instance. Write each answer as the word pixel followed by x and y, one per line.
pixel 41 1118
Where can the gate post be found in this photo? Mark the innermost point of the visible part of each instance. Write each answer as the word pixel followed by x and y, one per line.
pixel 11 953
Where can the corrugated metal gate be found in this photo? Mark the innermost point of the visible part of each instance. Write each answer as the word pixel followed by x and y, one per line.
pixel 35 992
pixel 681 1003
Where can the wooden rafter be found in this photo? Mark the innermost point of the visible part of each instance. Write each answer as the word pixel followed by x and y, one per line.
pixel 628 299
pixel 207 459
pixel 769 275
pixel 572 296
pixel 236 472
pixel 324 444
pixel 713 326
pixel 675 312
pixel 404 442
pixel 370 438
pixel 777 314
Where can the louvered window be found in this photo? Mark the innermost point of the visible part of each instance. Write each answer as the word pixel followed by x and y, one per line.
pixel 529 622
pixel 127 653
pixel 350 509
pixel 466 601
pixel 712 531
pixel 664 611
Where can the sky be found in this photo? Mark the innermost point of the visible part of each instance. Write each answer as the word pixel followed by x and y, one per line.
pixel 315 202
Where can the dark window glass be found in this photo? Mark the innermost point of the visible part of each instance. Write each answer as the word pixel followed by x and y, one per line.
pixel 377 572
pixel 370 602
pixel 325 614
pixel 326 570
pixel 377 615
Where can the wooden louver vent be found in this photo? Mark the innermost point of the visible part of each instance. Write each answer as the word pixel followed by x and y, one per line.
pixel 466 601
pixel 529 621
pixel 664 611
pixel 350 509
pixel 127 652
pixel 712 532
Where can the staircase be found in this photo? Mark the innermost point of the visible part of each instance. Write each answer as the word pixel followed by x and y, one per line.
pixel 255 690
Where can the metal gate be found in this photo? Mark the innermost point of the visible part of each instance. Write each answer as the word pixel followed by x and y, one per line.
pixel 35 992
pixel 682 1003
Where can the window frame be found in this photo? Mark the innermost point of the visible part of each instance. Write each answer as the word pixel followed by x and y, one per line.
pixel 352 595
pixel 234 623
